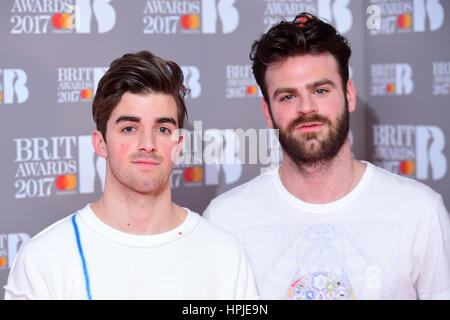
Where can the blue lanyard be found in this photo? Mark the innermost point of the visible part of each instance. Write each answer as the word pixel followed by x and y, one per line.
pixel 83 260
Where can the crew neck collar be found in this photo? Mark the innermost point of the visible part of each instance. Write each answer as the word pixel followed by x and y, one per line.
pixel 325 207
pixel 133 240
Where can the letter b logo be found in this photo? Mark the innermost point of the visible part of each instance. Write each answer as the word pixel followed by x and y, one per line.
pixel 225 159
pixel 337 9
pixel 430 144
pixel 10 244
pixel 91 166
pixel 103 11
pixel 403 79
pixel 14 81
pixel 431 8
pixel 228 14
pixel 191 80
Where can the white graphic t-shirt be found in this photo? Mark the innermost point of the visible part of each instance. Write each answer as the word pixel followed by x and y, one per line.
pixel 387 239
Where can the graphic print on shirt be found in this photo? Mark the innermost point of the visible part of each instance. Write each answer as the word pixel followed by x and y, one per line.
pixel 324 261
pixel 320 286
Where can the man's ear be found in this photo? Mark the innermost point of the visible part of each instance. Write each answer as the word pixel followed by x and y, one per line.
pixel 178 136
pixel 179 145
pixel 351 96
pixel 266 111
pixel 99 144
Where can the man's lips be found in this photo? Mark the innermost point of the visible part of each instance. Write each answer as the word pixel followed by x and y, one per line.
pixel 310 126
pixel 145 164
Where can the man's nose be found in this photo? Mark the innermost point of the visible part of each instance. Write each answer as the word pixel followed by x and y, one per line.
pixel 147 141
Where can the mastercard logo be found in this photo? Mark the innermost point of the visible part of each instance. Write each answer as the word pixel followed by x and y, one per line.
pixel 252 90
pixel 3 262
pixel 194 174
pixel 390 87
pixel 407 167
pixel 1 96
pixel 62 21
pixel 66 182
pixel 86 94
pixel 190 21
pixel 404 21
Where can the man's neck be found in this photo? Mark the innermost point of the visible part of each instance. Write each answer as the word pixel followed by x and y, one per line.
pixel 132 212
pixel 325 181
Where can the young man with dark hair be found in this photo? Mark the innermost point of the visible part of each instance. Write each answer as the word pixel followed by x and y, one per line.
pixel 325 225
pixel 134 242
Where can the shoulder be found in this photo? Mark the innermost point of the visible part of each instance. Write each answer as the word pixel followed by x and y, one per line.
pixel 411 199
pixel 49 242
pixel 215 237
pixel 245 192
pixel 44 252
pixel 45 242
pixel 402 186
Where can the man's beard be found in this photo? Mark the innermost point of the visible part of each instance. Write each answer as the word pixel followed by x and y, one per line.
pixel 303 151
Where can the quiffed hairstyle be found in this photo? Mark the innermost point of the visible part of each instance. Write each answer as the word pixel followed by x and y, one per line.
pixel 306 34
pixel 140 72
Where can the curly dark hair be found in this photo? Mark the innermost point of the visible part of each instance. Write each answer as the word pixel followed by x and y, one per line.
pixel 306 34
pixel 140 72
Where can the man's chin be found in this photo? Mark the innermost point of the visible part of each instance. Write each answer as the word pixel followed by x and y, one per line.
pixel 311 143
pixel 310 151
pixel 149 189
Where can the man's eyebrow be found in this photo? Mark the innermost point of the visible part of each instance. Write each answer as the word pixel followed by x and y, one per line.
pixel 137 119
pixel 279 91
pixel 308 86
pixel 320 83
pixel 128 118
pixel 166 120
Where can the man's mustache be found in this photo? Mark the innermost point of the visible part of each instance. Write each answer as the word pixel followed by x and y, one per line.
pixel 307 119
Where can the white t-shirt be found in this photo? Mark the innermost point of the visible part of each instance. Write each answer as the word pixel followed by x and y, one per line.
pixel 193 261
pixel 387 239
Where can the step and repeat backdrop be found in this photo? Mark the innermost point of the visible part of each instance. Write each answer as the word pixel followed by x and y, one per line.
pixel 53 53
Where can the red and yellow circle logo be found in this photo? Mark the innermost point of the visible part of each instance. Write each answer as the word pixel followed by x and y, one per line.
pixel 3 262
pixel 1 96
pixel 66 182
pixel 194 174
pixel 404 21
pixel 390 88
pixel 252 90
pixel 190 21
pixel 62 21
pixel 86 94
pixel 407 167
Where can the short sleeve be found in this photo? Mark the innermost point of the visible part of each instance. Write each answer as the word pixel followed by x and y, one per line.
pixel 24 282
pixel 434 280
